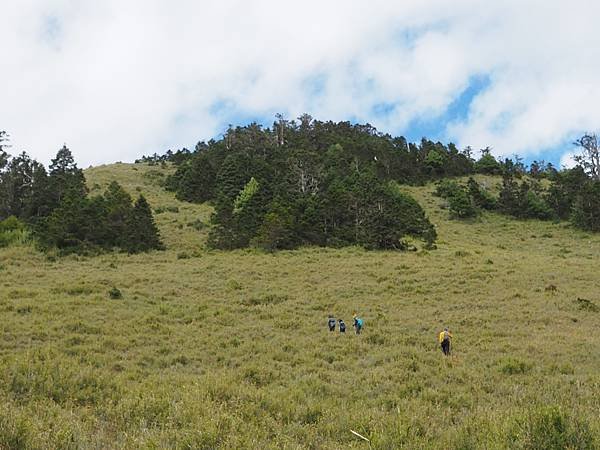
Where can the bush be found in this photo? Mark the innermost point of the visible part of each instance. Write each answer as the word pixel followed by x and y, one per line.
pixel 481 197
pixel 514 367
pixel 461 205
pixel 587 305
pixel 446 188
pixel 115 294
pixel 12 232
pixel 197 224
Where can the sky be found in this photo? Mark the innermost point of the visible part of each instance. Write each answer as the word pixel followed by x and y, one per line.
pixel 117 79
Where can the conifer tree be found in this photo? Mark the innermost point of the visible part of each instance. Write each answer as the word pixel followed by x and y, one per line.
pixel 64 176
pixel 586 208
pixel 119 209
pixel 197 183
pixel 142 233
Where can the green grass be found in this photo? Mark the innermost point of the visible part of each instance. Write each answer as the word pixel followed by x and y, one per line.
pixel 231 349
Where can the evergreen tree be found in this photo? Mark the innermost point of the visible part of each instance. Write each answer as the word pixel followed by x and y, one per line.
pixel 65 176
pixel 487 164
pixel 38 205
pixel 197 182
pixel 16 186
pixel 563 192
pixel 481 197
pixel 277 230
pixel 68 226
pixel 118 209
pixel 141 232
pixel 508 200
pixel 461 204
pixel 223 234
pixel 586 208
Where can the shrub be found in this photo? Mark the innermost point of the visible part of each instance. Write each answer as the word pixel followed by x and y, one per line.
pixel 115 294
pixel 12 232
pixel 587 305
pixel 461 205
pixel 446 188
pixel 481 197
pixel 197 224
pixel 514 366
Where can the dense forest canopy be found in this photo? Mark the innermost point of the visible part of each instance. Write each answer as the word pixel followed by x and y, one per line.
pixel 312 183
pixel 325 183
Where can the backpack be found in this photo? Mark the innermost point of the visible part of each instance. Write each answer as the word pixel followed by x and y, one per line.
pixel 359 323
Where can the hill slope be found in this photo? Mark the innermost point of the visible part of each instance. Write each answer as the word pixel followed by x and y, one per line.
pixel 230 349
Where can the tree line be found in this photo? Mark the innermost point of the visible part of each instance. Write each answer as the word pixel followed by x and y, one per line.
pixel 570 194
pixel 310 182
pixel 54 206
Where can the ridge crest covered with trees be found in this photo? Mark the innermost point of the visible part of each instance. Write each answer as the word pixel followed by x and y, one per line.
pixel 335 184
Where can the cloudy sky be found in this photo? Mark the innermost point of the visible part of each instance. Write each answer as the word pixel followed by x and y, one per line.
pixel 115 79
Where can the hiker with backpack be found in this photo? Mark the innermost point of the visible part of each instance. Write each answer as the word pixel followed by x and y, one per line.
pixel 444 339
pixel 342 325
pixel 358 324
pixel 331 323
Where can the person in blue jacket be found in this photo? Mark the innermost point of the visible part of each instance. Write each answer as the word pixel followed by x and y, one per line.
pixel 358 324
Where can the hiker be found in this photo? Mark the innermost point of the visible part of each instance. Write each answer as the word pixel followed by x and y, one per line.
pixel 358 324
pixel 331 323
pixel 444 339
pixel 342 326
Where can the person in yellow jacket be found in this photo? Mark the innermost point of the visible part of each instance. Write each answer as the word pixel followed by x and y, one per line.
pixel 444 338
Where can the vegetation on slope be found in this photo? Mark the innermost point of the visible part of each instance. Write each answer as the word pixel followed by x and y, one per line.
pixel 56 207
pixel 210 349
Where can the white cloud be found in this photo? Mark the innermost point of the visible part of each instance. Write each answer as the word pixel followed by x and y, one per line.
pixel 567 160
pixel 117 79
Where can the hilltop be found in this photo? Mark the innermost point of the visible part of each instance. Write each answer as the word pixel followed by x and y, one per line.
pixel 230 349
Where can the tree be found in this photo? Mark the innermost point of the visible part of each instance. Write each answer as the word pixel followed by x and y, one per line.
pixel 487 163
pixel 508 200
pixel 481 197
pixel 40 199
pixel 563 192
pixel 589 159
pixel 65 176
pixel 67 225
pixel 197 184
pixel 141 232
pixel 586 208
pixel 277 229
pixel 118 210
pixel 461 204
pixel 17 186
pixel 4 156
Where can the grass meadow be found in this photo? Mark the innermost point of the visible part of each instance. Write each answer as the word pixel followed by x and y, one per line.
pixel 210 349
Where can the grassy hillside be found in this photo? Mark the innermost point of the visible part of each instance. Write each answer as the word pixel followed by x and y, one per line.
pixel 214 349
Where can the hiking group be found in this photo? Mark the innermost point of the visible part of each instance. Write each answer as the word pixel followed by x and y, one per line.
pixel 357 324
pixel 444 338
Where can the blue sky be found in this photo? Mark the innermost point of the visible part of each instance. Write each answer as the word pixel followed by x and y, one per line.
pixel 118 79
